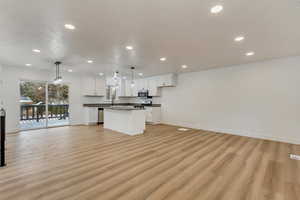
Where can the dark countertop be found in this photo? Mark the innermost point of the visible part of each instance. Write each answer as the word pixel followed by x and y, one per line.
pixel 105 105
pixel 126 108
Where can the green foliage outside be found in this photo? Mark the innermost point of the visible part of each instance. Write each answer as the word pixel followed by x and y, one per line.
pixel 57 94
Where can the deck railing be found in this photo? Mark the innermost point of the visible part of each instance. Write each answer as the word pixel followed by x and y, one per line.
pixel 38 112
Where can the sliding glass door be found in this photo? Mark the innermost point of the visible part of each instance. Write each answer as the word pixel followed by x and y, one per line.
pixel 32 105
pixel 58 105
pixel 43 105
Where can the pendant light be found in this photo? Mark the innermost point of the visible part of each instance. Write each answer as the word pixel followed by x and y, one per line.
pixel 132 76
pixel 116 80
pixel 58 78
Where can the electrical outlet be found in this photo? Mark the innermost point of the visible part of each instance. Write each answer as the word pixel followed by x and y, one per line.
pixel 294 157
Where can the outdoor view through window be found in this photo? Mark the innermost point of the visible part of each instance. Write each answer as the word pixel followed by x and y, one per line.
pixel 43 105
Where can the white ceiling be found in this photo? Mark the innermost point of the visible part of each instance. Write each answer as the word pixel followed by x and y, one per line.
pixel 184 31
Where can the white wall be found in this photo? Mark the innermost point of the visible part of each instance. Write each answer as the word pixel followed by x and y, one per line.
pixel 258 100
pixel 10 93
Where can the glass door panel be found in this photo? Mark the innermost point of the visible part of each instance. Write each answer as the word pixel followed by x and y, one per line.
pixel 58 105
pixel 32 105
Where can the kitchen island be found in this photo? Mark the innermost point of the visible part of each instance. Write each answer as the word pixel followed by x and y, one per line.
pixel 124 119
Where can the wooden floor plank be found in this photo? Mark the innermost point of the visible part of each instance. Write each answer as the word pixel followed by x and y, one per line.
pixel 89 162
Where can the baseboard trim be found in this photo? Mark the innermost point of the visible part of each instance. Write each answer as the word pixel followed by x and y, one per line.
pixel 239 133
pixel 18 130
pixel 91 124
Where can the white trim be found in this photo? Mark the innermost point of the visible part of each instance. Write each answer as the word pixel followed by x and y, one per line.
pixel 12 131
pixel 18 130
pixel 256 135
pixel 47 103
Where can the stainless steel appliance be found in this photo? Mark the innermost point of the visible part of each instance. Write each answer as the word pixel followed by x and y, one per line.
pixel 100 116
pixel 143 93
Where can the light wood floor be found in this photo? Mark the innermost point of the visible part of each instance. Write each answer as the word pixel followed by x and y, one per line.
pixel 92 163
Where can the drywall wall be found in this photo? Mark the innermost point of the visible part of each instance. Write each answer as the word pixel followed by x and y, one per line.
pixel 10 93
pixel 258 100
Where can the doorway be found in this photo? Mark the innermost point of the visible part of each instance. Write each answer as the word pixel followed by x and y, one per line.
pixel 43 105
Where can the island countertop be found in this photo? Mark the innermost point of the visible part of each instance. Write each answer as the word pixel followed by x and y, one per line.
pixel 106 105
pixel 128 108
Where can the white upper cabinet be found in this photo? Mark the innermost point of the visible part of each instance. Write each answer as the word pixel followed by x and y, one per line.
pixel 88 86
pixel 134 89
pixel 151 84
pixel 127 88
pixel 168 80
pixel 93 87
pixel 142 84
pixel 100 87
pixel 130 91
pixel 152 87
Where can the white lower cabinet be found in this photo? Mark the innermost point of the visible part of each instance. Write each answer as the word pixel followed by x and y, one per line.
pixel 90 115
pixel 153 115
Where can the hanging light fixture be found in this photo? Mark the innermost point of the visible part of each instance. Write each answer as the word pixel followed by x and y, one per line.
pixel 58 78
pixel 116 75
pixel 132 76
pixel 116 79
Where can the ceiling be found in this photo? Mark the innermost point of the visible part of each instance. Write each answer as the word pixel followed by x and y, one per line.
pixel 183 31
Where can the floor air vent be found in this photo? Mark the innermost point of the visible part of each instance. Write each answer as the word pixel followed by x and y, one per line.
pixel 294 157
pixel 183 129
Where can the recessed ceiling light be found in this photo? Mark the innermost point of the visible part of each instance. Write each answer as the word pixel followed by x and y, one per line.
pixel 28 65
pixel 184 66
pixel 129 47
pixel 101 74
pixel 250 53
pixel 70 70
pixel 141 74
pixel 90 61
pixel 70 26
pixel 163 59
pixel 36 50
pixel 239 38
pixel 216 9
